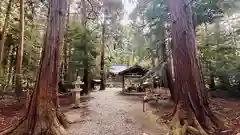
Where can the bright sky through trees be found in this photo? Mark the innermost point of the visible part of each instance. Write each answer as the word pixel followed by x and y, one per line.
pixel 128 8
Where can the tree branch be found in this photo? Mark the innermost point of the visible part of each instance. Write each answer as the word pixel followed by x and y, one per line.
pixel 94 30
pixel 92 11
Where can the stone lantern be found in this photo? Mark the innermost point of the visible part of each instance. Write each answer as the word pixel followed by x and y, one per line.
pixel 78 83
pixel 76 92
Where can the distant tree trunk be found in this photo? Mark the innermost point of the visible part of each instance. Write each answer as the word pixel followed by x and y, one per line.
pixel 153 59
pixel 212 82
pixel 10 65
pixel 86 72
pixel 61 71
pixel 13 77
pixel 169 76
pixel 86 66
pixel 18 89
pixel 168 70
pixel 165 58
pixel 224 82
pixel 192 113
pixel 69 73
pixel 90 82
pixel 194 18
pixel 3 35
pixel 86 81
pixel 42 116
pixel 165 55
pixel 66 46
pixel 103 81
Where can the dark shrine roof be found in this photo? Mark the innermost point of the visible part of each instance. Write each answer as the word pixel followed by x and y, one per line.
pixel 134 70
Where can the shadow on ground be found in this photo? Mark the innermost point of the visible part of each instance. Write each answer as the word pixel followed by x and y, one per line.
pixel 77 115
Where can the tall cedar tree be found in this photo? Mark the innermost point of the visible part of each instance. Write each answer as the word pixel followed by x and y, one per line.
pixel 85 62
pixel 103 81
pixel 18 90
pixel 42 116
pixel 192 113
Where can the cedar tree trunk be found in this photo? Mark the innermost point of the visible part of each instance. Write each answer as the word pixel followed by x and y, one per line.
pixel 164 57
pixel 168 69
pixel 103 81
pixel 192 113
pixel 65 46
pixel 18 89
pixel 43 116
pixel 86 66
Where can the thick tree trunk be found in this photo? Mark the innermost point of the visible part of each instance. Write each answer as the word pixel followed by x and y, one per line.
pixel 42 116
pixel 192 112
pixel 3 35
pixel 18 89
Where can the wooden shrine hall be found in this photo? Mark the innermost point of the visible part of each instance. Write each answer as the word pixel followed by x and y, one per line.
pixel 133 71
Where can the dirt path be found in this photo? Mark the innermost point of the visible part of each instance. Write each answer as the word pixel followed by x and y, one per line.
pixel 109 113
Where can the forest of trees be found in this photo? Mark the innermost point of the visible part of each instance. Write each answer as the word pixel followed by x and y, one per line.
pixel 192 44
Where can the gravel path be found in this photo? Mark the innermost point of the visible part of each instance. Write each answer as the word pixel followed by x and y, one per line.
pixel 109 113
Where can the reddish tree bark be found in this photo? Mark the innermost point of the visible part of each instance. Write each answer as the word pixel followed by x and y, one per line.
pixel 43 116
pixel 192 112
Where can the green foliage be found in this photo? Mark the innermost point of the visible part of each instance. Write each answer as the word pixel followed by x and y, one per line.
pixel 219 54
pixel 84 44
pixel 32 40
pixel 207 10
pixel 136 43
pixel 219 46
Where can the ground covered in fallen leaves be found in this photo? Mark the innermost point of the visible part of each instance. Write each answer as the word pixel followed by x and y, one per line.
pixel 226 108
pixel 11 110
pixel 229 111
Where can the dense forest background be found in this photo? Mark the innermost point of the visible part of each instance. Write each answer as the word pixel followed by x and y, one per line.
pixel 137 41
pixel 46 42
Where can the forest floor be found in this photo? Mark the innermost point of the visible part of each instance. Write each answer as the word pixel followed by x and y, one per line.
pixel 111 113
